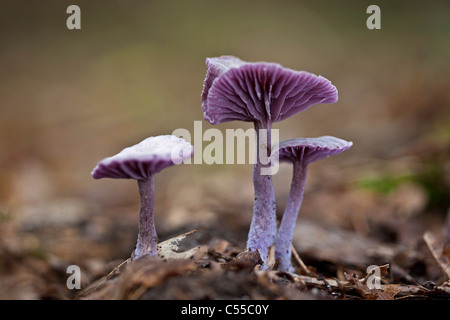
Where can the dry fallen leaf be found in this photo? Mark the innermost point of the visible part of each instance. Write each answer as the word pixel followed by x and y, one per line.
pixel 374 290
pixel 389 292
pixel 168 249
pixel 360 287
pixel 147 272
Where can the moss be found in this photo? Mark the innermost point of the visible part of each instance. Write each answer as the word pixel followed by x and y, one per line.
pixel 384 183
pixel 431 179
pixel 4 217
pixel 37 252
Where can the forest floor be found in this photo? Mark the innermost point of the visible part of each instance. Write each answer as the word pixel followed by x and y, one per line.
pixel 374 222
pixel 203 256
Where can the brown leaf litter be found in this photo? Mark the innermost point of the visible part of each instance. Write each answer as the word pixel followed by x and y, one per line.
pixel 222 271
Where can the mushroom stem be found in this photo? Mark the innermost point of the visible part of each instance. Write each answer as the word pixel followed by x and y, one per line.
pixel 147 238
pixel 263 227
pixel 283 242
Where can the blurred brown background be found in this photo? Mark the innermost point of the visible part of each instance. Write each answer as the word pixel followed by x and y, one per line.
pixel 69 98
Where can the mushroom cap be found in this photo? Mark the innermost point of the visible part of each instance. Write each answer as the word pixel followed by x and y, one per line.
pixel 311 149
pixel 266 92
pixel 145 158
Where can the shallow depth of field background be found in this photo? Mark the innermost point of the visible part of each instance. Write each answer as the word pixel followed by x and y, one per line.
pixel 69 98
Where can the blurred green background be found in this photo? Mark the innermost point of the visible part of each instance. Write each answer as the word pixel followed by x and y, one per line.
pixel 69 98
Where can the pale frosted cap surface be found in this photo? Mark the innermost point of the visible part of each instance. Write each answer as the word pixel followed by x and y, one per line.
pixel 311 149
pixel 145 158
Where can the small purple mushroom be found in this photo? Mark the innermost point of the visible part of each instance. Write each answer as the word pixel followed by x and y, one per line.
pixel 262 93
pixel 300 152
pixel 141 162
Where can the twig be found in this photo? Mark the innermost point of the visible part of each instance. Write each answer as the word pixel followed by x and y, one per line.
pixel 436 247
pixel 300 261
pixel 404 289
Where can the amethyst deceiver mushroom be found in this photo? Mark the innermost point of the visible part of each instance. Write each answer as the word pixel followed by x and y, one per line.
pixel 141 162
pixel 300 152
pixel 262 93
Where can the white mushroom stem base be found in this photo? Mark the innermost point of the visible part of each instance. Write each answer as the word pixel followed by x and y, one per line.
pixel 147 238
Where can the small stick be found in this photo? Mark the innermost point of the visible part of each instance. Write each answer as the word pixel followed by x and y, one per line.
pixel 300 261
pixel 403 289
pixel 346 286
pixel 436 247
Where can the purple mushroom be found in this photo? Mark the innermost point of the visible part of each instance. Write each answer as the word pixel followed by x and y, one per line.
pixel 300 152
pixel 141 162
pixel 262 93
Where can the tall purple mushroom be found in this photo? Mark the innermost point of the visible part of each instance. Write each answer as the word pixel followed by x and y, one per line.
pixel 141 162
pixel 262 93
pixel 300 152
